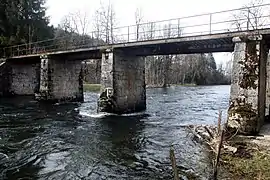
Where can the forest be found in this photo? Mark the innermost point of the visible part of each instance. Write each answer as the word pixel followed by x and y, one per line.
pixel 25 21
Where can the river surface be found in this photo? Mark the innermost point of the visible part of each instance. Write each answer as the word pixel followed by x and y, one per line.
pixel 72 141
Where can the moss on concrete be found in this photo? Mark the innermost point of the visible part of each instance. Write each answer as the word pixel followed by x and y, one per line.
pixel 242 117
pixel 250 64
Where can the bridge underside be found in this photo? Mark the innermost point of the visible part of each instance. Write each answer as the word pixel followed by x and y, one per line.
pixel 188 47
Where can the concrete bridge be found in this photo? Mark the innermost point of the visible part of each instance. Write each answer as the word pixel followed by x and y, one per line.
pixel 55 74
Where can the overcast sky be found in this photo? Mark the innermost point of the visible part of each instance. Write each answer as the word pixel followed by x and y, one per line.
pixel 152 9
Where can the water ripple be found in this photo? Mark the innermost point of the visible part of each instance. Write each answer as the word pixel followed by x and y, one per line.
pixel 71 141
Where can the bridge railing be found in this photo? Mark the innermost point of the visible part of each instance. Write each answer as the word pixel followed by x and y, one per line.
pixel 242 19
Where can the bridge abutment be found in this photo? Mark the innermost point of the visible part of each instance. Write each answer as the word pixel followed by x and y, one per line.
pixel 123 83
pixel 248 89
pixel 60 80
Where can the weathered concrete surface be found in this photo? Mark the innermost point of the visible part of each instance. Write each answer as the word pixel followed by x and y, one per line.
pixel 267 104
pixel 19 77
pixel 60 80
pixel 24 78
pixel 247 102
pixel 4 79
pixel 124 75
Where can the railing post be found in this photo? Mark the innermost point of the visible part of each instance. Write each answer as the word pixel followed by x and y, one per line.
pixel 151 30
pixel 112 39
pixel 128 34
pixel 169 29
pixel 248 18
pixel 178 27
pixel 210 23
pixel 66 43
pixel 93 39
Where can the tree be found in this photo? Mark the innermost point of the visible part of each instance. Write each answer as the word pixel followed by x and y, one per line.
pixel 250 17
pixel 138 21
pixel 105 22
pixel 23 21
pixel 76 22
pixel 211 61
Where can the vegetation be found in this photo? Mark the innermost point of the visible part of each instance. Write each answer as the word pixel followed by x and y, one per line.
pixel 199 69
pixel 23 21
pixel 249 164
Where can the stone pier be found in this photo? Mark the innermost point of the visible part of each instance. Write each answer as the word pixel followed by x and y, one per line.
pixel 60 80
pixel 248 89
pixel 123 83
pixel 19 77
pixel 5 72
pixel 267 103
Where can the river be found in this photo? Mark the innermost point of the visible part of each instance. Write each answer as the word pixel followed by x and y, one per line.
pixel 72 141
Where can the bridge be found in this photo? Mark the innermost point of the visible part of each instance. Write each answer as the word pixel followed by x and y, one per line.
pixel 51 69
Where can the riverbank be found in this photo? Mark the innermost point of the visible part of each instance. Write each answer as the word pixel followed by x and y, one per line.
pixel 250 159
pixel 96 87
pixel 240 157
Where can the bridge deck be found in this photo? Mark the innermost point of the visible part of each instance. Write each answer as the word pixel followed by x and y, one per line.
pixel 221 42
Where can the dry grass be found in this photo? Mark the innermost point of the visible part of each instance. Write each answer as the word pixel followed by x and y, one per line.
pixel 247 162
pixel 239 159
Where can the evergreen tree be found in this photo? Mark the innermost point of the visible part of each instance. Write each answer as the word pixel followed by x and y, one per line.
pixel 23 21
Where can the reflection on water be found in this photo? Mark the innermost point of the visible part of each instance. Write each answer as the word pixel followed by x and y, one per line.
pixel 71 141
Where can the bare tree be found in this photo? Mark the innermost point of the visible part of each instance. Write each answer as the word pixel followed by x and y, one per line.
pixel 148 30
pixel 105 22
pixel 251 16
pixel 76 22
pixel 168 32
pixel 138 21
pixel 97 26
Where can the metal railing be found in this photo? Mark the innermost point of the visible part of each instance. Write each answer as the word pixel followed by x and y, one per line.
pixel 241 19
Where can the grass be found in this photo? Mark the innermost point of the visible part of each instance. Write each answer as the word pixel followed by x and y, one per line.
pixel 248 164
pixel 91 87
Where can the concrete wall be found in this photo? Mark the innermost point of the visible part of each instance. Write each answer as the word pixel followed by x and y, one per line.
pixel 66 79
pixel 4 79
pixel 24 78
pixel 125 74
pixel 267 103
pixel 61 80
pixel 129 82
pixel 247 107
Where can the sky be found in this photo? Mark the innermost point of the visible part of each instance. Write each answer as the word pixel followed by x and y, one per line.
pixel 152 10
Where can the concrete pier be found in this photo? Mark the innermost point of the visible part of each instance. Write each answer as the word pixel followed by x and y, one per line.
pixel 4 79
pixel 123 83
pixel 248 90
pixel 60 80
pixel 19 78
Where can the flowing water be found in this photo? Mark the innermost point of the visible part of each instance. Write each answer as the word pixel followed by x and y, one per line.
pixel 72 141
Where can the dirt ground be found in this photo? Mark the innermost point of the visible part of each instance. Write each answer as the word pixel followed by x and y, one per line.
pixel 252 159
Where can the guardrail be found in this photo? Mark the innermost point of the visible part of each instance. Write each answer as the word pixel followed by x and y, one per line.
pixel 241 19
